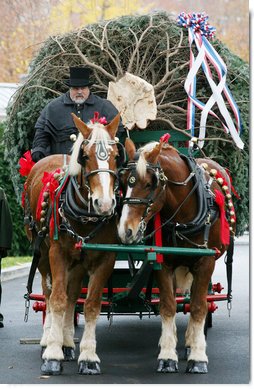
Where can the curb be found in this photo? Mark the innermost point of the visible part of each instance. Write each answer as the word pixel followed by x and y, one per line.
pixel 11 273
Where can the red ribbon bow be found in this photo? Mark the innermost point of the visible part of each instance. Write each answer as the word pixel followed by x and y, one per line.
pixel 26 163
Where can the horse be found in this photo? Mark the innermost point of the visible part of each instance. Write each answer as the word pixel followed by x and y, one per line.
pixel 86 205
pixel 158 180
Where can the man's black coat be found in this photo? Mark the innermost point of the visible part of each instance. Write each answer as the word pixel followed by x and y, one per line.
pixel 55 124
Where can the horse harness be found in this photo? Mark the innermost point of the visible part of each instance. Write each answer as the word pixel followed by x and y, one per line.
pixel 207 210
pixel 68 209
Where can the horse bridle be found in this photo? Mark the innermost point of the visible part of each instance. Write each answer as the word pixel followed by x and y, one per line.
pixel 158 177
pixel 102 154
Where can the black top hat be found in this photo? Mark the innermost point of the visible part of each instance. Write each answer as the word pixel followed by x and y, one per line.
pixel 79 77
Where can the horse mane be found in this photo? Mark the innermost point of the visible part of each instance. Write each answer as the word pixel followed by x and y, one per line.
pixel 98 134
pixel 141 164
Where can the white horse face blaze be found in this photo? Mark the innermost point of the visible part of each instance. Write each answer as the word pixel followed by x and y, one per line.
pixel 103 197
pixel 127 223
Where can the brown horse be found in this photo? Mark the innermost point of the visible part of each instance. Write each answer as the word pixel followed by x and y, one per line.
pixel 159 179
pixel 87 203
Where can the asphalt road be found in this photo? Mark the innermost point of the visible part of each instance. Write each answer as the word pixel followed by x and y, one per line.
pixel 128 348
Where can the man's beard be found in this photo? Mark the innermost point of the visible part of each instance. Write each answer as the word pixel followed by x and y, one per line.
pixel 79 100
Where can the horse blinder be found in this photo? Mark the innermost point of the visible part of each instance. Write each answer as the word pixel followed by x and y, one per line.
pixel 82 158
pixel 121 158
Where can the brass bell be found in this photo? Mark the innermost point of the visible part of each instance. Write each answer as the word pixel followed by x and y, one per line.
pixel 232 213
pixel 194 140
pixel 232 220
pixel 213 172
pixel 231 228
pixel 44 205
pixel 220 180
pixel 73 137
pixel 204 165
pixel 44 228
pixel 228 196
pixel 42 219
pixel 230 205
pixel 43 213
pixel 45 195
pixel 225 188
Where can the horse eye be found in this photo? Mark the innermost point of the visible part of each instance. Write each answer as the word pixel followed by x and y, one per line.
pixel 148 185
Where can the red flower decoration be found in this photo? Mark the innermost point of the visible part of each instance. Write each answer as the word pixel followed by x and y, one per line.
pixel 97 119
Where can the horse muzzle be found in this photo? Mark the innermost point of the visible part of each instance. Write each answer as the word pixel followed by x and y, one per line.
pixel 104 207
pixel 132 236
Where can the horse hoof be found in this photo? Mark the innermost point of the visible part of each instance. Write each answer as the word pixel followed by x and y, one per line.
pixel 89 368
pixel 167 366
pixel 51 367
pixel 187 353
pixel 69 353
pixel 197 367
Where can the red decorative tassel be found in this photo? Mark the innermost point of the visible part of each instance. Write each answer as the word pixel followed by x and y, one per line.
pixel 158 236
pixel 97 119
pixel 224 230
pixel 164 138
pixel 26 163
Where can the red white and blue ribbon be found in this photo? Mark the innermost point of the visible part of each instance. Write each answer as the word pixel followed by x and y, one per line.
pixel 199 30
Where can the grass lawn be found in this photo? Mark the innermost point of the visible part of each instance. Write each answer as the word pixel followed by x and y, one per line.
pixel 14 261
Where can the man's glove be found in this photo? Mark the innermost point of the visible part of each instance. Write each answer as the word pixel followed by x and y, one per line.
pixel 37 156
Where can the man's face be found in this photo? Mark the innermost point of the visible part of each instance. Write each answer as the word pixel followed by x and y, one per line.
pixel 79 94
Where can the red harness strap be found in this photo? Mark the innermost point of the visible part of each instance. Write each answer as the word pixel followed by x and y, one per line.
pixel 158 236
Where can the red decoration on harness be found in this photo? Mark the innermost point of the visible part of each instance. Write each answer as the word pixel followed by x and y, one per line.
pixel 49 185
pixel 96 119
pixel 26 163
pixel 78 245
pixel 164 138
pixel 217 255
pixel 224 226
pixel 158 236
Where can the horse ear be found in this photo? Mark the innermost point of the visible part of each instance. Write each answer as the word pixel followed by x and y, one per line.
pixel 130 148
pixel 152 156
pixel 112 127
pixel 81 126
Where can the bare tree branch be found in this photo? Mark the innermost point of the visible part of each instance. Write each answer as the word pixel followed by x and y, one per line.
pixel 93 65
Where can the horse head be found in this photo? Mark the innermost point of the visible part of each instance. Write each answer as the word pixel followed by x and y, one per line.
pixel 144 183
pixel 94 161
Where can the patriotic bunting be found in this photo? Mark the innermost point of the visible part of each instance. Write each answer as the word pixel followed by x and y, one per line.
pixel 199 32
